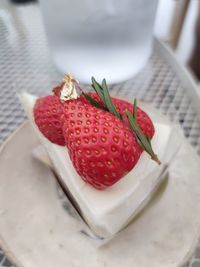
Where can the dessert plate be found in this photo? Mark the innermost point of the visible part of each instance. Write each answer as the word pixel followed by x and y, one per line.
pixel 37 231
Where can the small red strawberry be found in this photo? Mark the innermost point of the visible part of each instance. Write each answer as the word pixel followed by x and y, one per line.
pixel 48 112
pixel 121 105
pixel 102 148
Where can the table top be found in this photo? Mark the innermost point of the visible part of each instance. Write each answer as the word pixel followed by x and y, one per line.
pixel 25 65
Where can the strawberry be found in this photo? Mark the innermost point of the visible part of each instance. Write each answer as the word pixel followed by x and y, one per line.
pixel 48 112
pixel 121 105
pixel 102 148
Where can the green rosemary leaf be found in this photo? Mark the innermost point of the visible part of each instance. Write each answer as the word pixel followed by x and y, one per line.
pixel 97 87
pixel 144 142
pixel 149 140
pixel 111 107
pixel 135 108
pixel 138 132
pixel 93 101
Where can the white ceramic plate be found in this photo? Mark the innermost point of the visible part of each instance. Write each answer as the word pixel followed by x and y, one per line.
pixel 37 231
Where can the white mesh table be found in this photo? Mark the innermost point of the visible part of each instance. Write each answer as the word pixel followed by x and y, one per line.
pixel 25 65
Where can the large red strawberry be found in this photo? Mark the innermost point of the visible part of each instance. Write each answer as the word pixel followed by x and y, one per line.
pixel 102 148
pixel 48 112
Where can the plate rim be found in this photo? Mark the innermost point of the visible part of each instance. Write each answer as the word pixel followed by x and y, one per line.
pixel 13 258
pixel 3 245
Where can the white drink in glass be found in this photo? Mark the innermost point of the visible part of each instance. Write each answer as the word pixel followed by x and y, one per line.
pixel 100 38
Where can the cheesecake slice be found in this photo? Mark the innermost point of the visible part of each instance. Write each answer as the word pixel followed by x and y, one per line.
pixel 108 211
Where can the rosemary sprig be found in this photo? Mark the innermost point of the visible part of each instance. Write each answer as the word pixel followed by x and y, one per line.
pixel 144 141
pixel 103 93
pixel 94 102
pixel 108 100
pixel 97 87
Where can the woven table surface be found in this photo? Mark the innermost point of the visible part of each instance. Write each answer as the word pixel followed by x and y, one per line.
pixel 25 65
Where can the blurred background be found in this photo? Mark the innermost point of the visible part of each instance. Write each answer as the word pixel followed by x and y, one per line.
pixel 177 23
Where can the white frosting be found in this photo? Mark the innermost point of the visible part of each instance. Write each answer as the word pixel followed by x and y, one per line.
pixel 109 210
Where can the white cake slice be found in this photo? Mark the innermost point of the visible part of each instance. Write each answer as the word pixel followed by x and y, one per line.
pixel 108 211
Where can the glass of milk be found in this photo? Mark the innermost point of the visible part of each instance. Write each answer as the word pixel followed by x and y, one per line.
pixel 109 39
